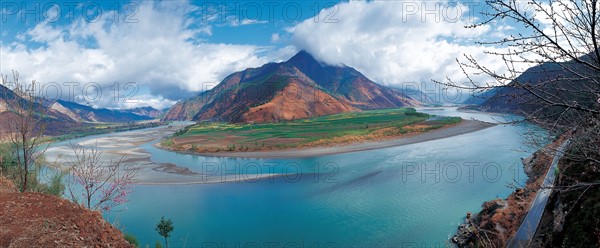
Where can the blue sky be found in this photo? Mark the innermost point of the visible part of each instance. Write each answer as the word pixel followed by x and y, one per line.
pixel 175 49
pixel 242 22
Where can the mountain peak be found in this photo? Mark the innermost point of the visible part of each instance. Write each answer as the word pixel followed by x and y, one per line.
pixel 302 58
pixel 323 89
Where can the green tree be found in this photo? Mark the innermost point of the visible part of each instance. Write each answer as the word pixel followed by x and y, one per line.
pixel 7 161
pixel 164 228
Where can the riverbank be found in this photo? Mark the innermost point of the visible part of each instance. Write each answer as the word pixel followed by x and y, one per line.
pixel 499 219
pixel 129 148
pixel 465 126
pixel 361 188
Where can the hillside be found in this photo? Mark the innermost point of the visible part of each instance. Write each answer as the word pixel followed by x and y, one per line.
pixel 145 111
pixel 82 113
pixel 570 215
pixel 554 81
pixel 500 218
pixel 39 220
pixel 62 117
pixel 299 88
pixel 56 122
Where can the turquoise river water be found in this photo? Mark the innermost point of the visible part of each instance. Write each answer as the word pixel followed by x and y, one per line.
pixel 407 196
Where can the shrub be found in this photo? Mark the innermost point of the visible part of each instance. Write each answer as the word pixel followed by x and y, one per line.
pixel 168 142
pixel 55 186
pixel 132 240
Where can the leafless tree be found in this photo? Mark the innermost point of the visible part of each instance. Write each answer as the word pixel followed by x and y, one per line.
pixel 23 121
pixel 551 74
pixel 96 183
pixel 557 43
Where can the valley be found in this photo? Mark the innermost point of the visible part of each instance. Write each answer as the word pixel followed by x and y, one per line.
pixel 311 129
pixel 345 128
pixel 399 187
pixel 328 134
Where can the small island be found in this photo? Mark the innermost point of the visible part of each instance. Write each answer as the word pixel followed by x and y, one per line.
pixel 330 134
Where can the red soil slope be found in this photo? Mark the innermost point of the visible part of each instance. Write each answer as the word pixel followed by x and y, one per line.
pixel 39 220
pixel 297 101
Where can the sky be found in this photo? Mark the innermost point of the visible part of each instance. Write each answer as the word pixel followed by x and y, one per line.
pixel 124 54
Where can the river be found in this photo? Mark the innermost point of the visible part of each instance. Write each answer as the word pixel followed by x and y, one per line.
pixel 413 196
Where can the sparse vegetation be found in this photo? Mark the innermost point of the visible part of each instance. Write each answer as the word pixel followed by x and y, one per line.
pixel 25 127
pixel 22 156
pixel 55 185
pixel 132 239
pixel 167 142
pixel 96 129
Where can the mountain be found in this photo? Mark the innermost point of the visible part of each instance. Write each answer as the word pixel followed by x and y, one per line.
pixel 145 111
pixel 480 97
pixel 555 81
pixel 565 220
pixel 54 121
pixel 512 98
pixel 61 116
pixel 301 87
pixel 82 113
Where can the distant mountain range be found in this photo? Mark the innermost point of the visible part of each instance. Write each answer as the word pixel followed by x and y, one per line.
pixel 82 113
pixel 145 111
pixel 60 114
pixel 301 87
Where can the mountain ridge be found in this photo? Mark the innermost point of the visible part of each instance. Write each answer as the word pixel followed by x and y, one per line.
pixel 553 80
pixel 298 88
pixel 60 116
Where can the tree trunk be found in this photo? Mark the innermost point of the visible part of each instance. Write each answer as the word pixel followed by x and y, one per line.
pixel 25 172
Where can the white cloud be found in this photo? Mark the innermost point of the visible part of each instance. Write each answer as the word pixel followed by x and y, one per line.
pixel 562 21
pixel 275 37
pixel 234 21
pixel 162 53
pixel 165 52
pixel 392 42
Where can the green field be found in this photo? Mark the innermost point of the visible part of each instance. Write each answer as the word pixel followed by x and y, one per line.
pixel 324 130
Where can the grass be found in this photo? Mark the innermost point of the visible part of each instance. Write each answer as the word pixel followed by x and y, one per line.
pixel 168 142
pixel 330 129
